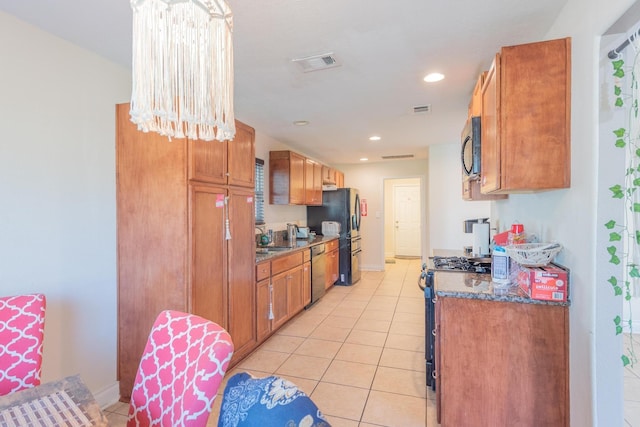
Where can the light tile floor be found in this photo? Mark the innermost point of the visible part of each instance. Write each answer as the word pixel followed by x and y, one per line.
pixel 358 352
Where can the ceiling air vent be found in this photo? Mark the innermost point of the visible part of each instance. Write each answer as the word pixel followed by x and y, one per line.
pixel 422 109
pixel 317 62
pixel 398 156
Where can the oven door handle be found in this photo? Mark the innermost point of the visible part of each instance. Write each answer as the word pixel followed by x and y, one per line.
pixel 422 278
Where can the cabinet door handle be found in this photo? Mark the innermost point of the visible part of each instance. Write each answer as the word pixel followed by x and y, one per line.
pixel 433 332
pixel 434 375
pixel 271 316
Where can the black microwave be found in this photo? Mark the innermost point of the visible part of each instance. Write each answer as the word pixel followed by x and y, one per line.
pixel 470 153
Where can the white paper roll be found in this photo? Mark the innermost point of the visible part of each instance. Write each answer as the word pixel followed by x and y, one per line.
pixel 481 238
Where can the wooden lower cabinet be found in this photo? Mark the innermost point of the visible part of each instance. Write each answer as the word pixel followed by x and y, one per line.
pixel 501 363
pixel 263 303
pixel 263 300
pixel 209 254
pixel 332 271
pixel 224 295
pixel 295 293
pixel 280 305
pixel 241 295
pixel 281 291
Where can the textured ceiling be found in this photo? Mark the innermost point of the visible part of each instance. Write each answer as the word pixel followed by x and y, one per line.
pixel 385 49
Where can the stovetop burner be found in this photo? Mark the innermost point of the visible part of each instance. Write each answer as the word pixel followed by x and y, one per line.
pixel 460 264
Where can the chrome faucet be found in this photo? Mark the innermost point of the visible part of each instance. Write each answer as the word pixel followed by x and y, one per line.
pixel 264 239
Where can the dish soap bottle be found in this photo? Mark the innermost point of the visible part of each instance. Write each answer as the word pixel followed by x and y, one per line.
pixel 500 263
pixel 516 234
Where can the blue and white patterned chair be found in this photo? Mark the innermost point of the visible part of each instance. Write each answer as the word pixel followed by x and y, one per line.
pixel 267 402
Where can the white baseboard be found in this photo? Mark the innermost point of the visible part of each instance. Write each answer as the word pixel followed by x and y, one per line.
pixel 372 267
pixel 108 396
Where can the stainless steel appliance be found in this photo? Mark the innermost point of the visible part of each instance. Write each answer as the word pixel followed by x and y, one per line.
pixel 442 265
pixel 302 233
pixel 292 230
pixel 318 267
pixel 342 206
pixel 470 153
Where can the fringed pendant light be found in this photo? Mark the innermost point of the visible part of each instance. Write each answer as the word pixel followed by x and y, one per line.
pixel 183 68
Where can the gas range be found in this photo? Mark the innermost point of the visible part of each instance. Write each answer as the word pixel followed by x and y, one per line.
pixel 437 264
pixel 460 264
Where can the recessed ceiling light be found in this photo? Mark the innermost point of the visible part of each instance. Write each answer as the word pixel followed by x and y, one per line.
pixel 301 122
pixel 364 159
pixel 375 138
pixel 433 77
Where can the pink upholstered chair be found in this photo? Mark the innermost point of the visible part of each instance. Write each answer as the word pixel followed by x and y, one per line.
pixel 180 371
pixel 21 335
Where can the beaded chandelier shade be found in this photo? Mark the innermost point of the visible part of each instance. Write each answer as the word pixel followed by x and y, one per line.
pixel 182 68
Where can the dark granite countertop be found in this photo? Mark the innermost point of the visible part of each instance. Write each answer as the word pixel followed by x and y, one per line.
pixel 480 286
pixel 299 244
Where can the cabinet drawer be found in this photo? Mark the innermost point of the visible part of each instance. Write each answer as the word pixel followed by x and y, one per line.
pixel 306 255
pixel 287 262
pixel 331 245
pixel 263 270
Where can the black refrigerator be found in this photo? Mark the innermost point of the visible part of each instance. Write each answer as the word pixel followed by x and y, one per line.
pixel 342 206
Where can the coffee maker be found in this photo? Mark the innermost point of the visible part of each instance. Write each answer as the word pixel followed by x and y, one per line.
pixel 479 227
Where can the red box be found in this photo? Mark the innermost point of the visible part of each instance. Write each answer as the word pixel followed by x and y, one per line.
pixel 549 283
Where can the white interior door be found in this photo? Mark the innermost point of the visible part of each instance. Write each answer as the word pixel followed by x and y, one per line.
pixel 407 220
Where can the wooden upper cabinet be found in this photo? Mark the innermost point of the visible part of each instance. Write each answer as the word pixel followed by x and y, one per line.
pixel 526 119
pixel 328 175
pixel 471 191
pixel 286 178
pixel 339 179
pixel 312 183
pixel 227 162
pixel 208 161
pixel 475 106
pixel 297 180
pixel 471 185
pixel 241 157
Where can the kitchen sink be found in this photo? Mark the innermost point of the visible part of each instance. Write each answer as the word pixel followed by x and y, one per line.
pixel 267 249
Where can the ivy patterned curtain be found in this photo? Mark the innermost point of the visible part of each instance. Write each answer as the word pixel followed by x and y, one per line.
pixel 632 204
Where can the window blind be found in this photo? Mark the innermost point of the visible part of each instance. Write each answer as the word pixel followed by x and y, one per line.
pixel 259 196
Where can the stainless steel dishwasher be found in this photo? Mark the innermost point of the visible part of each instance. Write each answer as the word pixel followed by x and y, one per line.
pixel 318 268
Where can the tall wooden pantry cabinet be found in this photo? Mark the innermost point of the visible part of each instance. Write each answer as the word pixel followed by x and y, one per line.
pixel 175 250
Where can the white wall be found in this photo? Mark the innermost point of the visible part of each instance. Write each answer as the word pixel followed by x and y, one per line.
pixel 447 209
pixel 58 214
pixel 369 178
pixel 569 216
